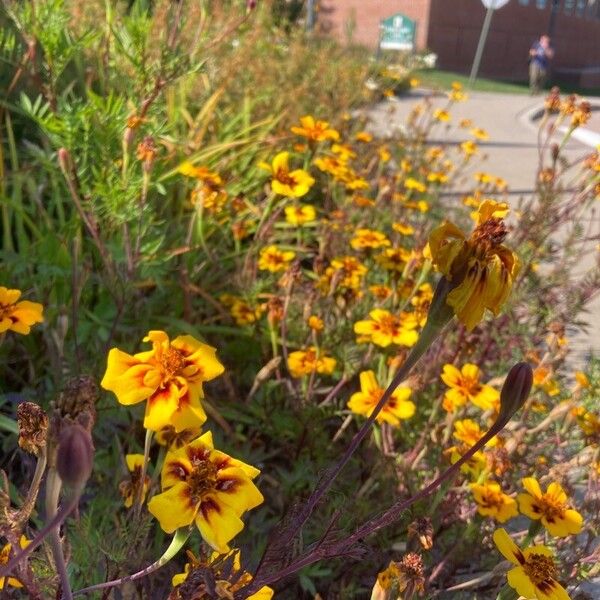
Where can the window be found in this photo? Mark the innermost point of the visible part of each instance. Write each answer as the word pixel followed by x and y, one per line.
pixel 541 4
pixel 581 4
pixel 523 2
pixel 569 6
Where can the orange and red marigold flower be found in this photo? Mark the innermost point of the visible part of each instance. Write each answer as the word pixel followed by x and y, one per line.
pixel 207 487
pixel 169 377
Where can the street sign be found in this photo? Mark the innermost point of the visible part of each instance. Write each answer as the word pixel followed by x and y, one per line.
pixel 397 33
pixel 495 4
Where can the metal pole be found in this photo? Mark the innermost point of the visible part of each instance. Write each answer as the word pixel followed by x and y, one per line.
pixel 310 15
pixel 480 45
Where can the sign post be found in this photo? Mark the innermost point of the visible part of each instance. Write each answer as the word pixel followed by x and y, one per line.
pixel 397 33
pixel 491 6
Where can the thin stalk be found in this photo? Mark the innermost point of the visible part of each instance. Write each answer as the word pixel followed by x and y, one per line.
pixel 140 490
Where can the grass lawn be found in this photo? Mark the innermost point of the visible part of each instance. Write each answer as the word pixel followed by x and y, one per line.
pixel 437 79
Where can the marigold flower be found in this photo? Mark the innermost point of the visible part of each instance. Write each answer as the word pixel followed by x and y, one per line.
pixel 551 507
pixel 300 215
pixel 293 184
pixel 5 555
pixel 310 360
pixel 170 438
pixel 480 268
pixel 381 292
pixel 368 238
pixel 344 151
pixel 273 259
pixel 18 316
pixel 493 502
pixel 542 378
pixel 464 386
pixel 394 259
pixel 384 329
pixel 487 209
pixel 398 407
pixel 403 579
pixel 207 487
pixel 534 575
pixel 480 134
pixel 317 131
pixel 201 173
pixel 412 184
pixel 316 323
pixel 441 115
pixel 468 148
pixel 590 424
pixel 403 228
pixel 130 488
pixel 474 466
pixel 225 569
pixel 169 377
pixel 469 432
pixel 363 136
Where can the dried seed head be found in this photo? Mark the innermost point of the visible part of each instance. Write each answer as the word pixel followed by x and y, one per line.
pixel 412 574
pixel 422 530
pixel 515 390
pixel 75 454
pixel 33 427
pixel 77 401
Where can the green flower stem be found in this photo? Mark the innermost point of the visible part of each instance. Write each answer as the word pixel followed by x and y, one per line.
pixel 179 539
pixel 139 497
pixel 534 529
pixel 507 593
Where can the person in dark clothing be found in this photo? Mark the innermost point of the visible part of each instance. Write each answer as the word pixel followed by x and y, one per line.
pixel 540 55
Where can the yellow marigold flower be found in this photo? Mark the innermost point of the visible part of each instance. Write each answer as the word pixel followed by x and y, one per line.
pixel 479 134
pixel 480 268
pixel 207 487
pixel 474 466
pixel 398 407
pixel 316 323
pixel 542 378
pixel 590 424
pixel 169 377
pixel 293 184
pixel 465 123
pixel 410 183
pixel 317 131
pixel 414 82
pixel 356 183
pixel 273 259
pixel 225 570
pixel 403 228
pixel 394 259
pixel 345 272
pixel 363 136
pixel 464 386
pixel 310 360
pixel 534 575
pixel 381 292
pixel 344 151
pixel 551 507
pixel 363 201
pixel 170 438
pixel 489 209
pixel 243 313
pixel 457 96
pixel 5 555
pixel 469 432
pixel 384 154
pixel 493 502
pixel 441 115
pixel 131 488
pixel 468 148
pixel 201 173
pixel 368 238
pixel 384 329
pixel 437 177
pixel 18 316
pixel 301 214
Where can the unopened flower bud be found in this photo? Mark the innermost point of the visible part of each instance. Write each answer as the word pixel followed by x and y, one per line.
pixel 515 390
pixel 33 427
pixel 251 4
pixel 64 160
pixel 75 455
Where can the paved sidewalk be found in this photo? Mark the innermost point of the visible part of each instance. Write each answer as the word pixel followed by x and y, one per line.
pixel 512 153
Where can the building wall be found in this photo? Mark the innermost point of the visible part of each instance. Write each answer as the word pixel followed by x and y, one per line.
pixel 362 17
pixel 453 35
pixel 451 29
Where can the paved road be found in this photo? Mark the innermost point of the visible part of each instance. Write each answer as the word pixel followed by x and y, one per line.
pixel 512 154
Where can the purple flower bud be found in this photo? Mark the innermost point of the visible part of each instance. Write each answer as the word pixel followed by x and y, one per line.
pixel 515 390
pixel 74 456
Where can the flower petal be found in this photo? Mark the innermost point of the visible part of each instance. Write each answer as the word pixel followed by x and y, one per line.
pixel 173 508
pixel 507 547
pixel 218 523
pixel 532 486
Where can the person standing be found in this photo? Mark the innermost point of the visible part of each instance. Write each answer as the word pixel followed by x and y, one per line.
pixel 540 55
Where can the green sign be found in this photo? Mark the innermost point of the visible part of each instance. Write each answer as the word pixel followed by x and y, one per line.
pixel 397 33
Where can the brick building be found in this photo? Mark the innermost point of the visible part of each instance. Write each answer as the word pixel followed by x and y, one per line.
pixel 451 28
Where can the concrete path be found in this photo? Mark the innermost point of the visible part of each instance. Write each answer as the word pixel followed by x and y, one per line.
pixel 511 154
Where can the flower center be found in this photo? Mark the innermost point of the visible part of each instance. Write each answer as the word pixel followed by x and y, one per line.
pixel 284 177
pixel 539 568
pixel 552 508
pixel 6 310
pixel 389 324
pixel 490 234
pixel 202 479
pixel 171 361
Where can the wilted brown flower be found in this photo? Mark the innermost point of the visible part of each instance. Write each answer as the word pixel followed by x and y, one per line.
pixel 422 530
pixel 33 427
